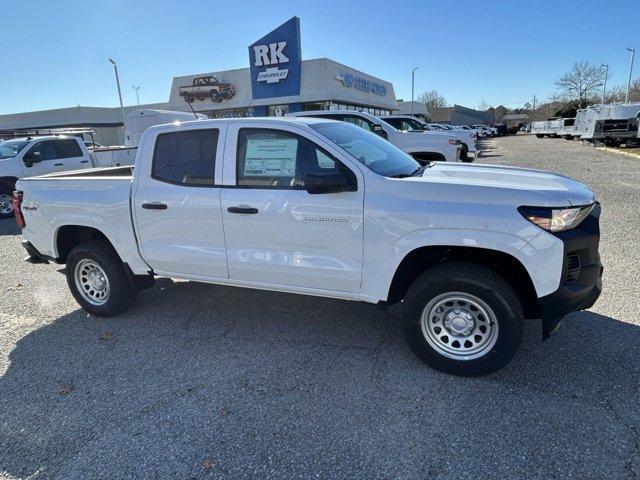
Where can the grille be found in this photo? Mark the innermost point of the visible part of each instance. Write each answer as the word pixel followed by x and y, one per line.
pixel 573 269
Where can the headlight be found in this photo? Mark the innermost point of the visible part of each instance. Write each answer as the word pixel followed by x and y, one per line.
pixel 454 141
pixel 556 219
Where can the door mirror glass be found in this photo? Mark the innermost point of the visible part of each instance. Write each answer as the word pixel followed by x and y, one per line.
pixel 378 130
pixel 326 183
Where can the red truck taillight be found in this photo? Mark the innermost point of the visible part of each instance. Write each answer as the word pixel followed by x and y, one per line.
pixel 16 201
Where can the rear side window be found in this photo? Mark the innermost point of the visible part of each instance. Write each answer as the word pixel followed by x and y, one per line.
pixel 186 158
pixel 67 148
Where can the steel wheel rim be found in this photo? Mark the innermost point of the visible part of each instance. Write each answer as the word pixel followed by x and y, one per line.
pixel 5 204
pixel 92 282
pixel 459 326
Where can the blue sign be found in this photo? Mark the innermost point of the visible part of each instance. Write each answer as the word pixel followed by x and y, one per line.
pixel 275 62
pixel 359 83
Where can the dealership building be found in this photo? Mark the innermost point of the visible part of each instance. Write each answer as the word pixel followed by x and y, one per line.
pixel 277 81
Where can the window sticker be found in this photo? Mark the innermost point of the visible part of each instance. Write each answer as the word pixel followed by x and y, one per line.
pixel 271 157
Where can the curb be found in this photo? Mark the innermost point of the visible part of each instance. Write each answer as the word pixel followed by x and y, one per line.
pixel 621 151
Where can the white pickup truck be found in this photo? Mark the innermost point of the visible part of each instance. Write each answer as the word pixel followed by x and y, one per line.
pixel 32 156
pixel 319 207
pixel 468 139
pixel 423 148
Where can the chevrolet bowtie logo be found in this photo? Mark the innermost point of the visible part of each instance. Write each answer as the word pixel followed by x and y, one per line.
pixel 273 75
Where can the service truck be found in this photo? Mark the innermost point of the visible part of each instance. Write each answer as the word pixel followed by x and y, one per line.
pixel 319 207
pixel 439 146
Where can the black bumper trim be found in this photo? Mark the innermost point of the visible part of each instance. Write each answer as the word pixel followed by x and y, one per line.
pixel 34 256
pixel 584 291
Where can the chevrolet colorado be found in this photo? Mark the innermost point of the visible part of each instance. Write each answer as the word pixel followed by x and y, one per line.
pixel 320 207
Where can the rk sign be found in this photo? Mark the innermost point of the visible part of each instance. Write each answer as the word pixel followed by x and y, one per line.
pixel 275 62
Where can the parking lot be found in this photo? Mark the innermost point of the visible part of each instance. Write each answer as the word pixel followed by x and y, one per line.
pixel 203 381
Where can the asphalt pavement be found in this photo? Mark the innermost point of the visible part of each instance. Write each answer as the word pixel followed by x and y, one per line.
pixel 201 381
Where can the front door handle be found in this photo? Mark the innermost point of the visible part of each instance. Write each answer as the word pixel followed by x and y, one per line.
pixel 154 206
pixel 58 164
pixel 246 210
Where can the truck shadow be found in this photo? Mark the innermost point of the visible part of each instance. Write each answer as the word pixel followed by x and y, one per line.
pixel 247 377
pixel 8 227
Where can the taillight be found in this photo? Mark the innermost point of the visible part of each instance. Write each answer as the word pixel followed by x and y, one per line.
pixel 16 201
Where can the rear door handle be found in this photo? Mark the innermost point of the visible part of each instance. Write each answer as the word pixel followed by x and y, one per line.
pixel 246 210
pixel 154 206
pixel 84 161
pixel 58 164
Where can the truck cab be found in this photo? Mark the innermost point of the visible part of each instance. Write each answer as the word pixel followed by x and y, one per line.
pixel 33 156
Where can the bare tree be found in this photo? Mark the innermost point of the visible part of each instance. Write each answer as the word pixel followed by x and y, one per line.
pixel 582 83
pixel 432 99
pixel 617 94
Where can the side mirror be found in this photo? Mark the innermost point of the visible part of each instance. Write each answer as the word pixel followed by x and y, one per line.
pixel 326 183
pixel 378 130
pixel 30 158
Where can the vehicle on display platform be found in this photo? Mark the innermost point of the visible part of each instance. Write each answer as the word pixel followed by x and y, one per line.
pixel 566 129
pixel 319 207
pixel 207 87
pixel 423 148
pixel 407 123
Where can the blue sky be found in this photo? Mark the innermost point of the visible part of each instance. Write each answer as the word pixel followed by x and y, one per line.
pixel 54 54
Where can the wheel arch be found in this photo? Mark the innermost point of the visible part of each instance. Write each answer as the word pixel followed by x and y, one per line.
pixel 8 182
pixel 506 265
pixel 69 236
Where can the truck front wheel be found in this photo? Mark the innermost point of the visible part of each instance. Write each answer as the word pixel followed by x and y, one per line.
pixel 97 279
pixel 462 318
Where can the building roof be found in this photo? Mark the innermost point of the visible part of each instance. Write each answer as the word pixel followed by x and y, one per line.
pixel 419 108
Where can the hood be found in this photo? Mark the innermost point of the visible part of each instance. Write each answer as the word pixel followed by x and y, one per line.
pixel 532 181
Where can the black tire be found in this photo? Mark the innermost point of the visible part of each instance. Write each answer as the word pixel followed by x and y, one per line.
pixel 477 281
pixel 539 135
pixel 121 289
pixel 4 190
pixel 215 96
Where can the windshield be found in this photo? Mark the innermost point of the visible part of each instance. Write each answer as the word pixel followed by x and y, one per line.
pixel 10 148
pixel 369 149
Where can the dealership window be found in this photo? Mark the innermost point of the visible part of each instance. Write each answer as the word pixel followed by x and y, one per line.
pixel 268 158
pixel 186 158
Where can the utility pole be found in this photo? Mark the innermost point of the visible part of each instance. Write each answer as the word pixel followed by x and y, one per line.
pixel 633 52
pixel 115 69
pixel 413 75
pixel 137 89
pixel 534 101
pixel 606 74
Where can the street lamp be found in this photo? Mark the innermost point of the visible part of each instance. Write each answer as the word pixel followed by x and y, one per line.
pixel 413 76
pixel 115 69
pixel 633 52
pixel 137 89
pixel 606 74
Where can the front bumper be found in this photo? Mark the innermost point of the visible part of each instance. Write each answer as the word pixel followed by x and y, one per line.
pixel 581 282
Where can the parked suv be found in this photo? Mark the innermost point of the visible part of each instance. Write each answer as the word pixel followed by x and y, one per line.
pixel 207 87
pixel 424 148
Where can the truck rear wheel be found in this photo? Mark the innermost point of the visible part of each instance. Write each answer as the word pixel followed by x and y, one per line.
pixel 462 318
pixel 97 279
pixel 6 207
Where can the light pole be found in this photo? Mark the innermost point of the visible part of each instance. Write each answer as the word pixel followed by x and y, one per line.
pixel 413 76
pixel 606 74
pixel 633 52
pixel 137 89
pixel 115 69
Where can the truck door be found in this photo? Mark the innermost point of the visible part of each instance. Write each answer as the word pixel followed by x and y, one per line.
pixel 176 205
pixel 276 232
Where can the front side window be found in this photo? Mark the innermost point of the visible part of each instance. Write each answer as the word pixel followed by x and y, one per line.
pixel 369 149
pixel 359 122
pixel 186 158
pixel 268 158
pixel 44 151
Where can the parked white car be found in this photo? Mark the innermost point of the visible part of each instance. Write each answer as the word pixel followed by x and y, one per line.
pixel 407 123
pixel 424 148
pixel 324 208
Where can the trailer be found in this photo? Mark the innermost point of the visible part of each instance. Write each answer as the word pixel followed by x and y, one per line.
pixel 566 131
pixel 578 123
pixel 539 129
